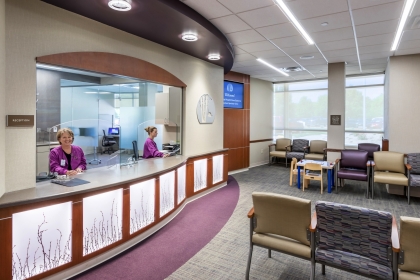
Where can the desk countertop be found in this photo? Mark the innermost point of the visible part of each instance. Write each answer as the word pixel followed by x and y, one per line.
pixel 99 178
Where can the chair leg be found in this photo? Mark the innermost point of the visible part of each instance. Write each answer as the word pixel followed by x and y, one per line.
pixel 322 186
pixel 286 162
pixel 312 270
pixel 373 188
pixel 269 253
pixel 248 266
pixel 408 194
pixel 323 269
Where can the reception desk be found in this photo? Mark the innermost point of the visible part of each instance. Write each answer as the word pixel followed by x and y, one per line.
pixel 53 231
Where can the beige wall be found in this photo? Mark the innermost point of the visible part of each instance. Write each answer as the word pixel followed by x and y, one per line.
pixel 261 120
pixel 2 96
pixel 404 100
pixel 336 106
pixel 35 28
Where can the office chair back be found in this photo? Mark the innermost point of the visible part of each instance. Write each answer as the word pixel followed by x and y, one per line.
pixel 136 150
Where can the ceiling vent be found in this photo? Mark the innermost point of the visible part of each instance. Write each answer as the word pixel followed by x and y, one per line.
pixel 416 23
pixel 292 69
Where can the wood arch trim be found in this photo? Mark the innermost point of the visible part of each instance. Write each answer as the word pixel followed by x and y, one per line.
pixel 111 63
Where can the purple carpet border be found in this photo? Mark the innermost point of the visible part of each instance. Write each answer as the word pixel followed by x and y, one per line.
pixel 165 251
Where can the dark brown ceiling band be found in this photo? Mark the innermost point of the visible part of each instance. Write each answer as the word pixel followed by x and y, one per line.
pixel 162 22
pixel 111 63
pixel 260 140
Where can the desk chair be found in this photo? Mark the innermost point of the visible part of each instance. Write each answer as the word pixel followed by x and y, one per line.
pixel 108 141
pixel 312 171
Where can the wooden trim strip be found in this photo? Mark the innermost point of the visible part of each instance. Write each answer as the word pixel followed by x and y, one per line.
pixel 260 140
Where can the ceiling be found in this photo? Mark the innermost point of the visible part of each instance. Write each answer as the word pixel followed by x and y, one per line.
pixel 259 29
pixel 160 21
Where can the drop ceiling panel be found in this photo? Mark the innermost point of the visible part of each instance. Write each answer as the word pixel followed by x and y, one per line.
pixel 378 13
pixel 383 60
pixel 281 59
pixel 333 35
pixel 336 53
pixel 359 4
pixel 375 48
pixel 238 6
pixel 248 63
pixel 264 17
pixel 407 51
pixel 309 62
pixel 335 21
pixel 316 55
pixel 258 46
pixel 306 49
pixel 243 37
pixel 257 67
pixel 375 40
pixel 375 55
pixel 342 58
pixel 270 54
pixel 292 41
pixel 376 28
pixel 303 9
pixel 411 35
pixel 244 57
pixel 238 50
pixel 416 9
pixel 316 68
pixel 413 44
pixel 278 31
pixel 213 8
pixel 230 24
pixel 337 45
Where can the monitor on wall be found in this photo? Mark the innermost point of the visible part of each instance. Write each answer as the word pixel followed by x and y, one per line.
pixel 114 131
pixel 233 95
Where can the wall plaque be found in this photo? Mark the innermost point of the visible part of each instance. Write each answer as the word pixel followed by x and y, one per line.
pixel 335 120
pixel 20 120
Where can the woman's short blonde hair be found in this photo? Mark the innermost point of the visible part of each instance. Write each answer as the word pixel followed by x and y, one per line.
pixel 64 130
pixel 150 129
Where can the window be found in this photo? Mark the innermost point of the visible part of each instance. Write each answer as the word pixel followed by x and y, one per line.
pixel 300 110
pixel 364 117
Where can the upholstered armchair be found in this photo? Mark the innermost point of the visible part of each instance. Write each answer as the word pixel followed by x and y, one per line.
pixel 315 151
pixel 297 149
pixel 370 148
pixel 353 165
pixel 409 254
pixel 279 149
pixel 281 223
pixel 358 240
pixel 413 172
pixel 389 168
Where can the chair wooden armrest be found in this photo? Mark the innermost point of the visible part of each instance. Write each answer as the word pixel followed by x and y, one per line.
pixel 271 145
pixel 312 226
pixel 251 213
pixel 408 166
pixel 337 160
pixel 395 241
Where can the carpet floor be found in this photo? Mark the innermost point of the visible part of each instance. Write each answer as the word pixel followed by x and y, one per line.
pixel 173 245
pixel 225 256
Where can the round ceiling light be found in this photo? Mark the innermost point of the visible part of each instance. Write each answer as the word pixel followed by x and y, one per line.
pixel 214 56
pixel 306 57
pixel 324 24
pixel 120 5
pixel 190 37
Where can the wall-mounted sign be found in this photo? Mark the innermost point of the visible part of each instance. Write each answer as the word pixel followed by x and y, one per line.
pixel 335 120
pixel 205 109
pixel 20 120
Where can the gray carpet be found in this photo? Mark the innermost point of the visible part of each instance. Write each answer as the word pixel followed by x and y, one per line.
pixel 225 257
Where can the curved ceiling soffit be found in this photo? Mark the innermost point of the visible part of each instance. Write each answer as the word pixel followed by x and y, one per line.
pixel 114 64
pixel 160 21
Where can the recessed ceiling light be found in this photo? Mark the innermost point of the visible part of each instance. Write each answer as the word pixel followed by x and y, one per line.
pixel 306 57
pixel 120 5
pixel 324 24
pixel 190 37
pixel 407 8
pixel 272 67
pixel 214 56
pixel 292 69
pixel 320 70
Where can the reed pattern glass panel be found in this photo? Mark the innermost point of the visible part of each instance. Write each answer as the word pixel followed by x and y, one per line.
pixel 200 174
pixel 167 192
pixel 217 169
pixel 142 205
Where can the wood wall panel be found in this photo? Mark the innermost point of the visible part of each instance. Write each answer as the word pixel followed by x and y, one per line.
pixel 236 134
pixel 6 248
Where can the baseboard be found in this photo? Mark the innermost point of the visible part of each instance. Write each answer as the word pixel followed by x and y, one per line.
pixel 238 171
pixel 259 164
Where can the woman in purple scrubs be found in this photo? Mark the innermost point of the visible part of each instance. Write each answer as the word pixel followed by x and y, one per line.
pixel 150 149
pixel 67 159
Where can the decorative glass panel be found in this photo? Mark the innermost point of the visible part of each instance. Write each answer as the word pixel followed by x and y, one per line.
pixel 167 192
pixel 142 205
pixel 217 169
pixel 200 174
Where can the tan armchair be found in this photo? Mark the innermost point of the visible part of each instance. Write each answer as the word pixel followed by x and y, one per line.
pixel 281 223
pixel 279 149
pixel 409 254
pixel 388 168
pixel 316 150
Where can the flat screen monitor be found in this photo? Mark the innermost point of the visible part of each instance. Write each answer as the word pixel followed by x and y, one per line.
pixel 233 95
pixel 114 131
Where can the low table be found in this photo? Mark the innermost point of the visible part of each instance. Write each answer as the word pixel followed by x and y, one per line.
pixel 325 165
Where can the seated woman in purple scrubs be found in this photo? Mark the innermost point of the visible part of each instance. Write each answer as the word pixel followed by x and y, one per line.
pixel 67 159
pixel 150 149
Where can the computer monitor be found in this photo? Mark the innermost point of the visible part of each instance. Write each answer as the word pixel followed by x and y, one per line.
pixel 114 131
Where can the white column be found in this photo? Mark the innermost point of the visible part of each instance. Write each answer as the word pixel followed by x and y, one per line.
pixel 336 106
pixel 2 96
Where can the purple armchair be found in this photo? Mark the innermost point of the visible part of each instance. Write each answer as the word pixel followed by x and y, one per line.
pixel 370 148
pixel 353 165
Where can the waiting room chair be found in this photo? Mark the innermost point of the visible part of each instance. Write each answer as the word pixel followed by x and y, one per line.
pixel 413 172
pixel 280 149
pixel 312 171
pixel 353 165
pixel 281 223
pixel 297 149
pixel 388 168
pixel 107 142
pixel 409 254
pixel 355 239
pixel 316 150
pixel 370 148
pixel 294 171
